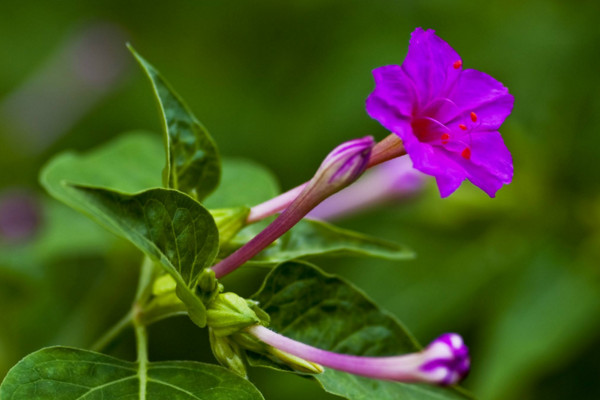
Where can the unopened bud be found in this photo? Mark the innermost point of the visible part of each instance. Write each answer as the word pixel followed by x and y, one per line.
pixel 227 353
pixel 444 362
pixel 208 286
pixel 339 169
pixel 342 166
pixel 230 313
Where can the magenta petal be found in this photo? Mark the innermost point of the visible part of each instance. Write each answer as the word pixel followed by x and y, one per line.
pixel 437 162
pixel 447 184
pixel 490 165
pixel 483 179
pixel 489 152
pixel 478 92
pixel 430 64
pixel 394 89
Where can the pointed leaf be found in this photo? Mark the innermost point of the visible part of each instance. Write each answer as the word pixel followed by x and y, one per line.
pixel 326 312
pixel 167 225
pixel 193 164
pixel 63 373
pixel 311 238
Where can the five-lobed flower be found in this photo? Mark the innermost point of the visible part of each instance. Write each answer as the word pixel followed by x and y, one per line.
pixel 447 117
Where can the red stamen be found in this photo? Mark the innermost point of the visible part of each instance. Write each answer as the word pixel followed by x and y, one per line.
pixel 463 127
pixel 445 138
pixel 457 64
pixel 466 153
pixel 473 117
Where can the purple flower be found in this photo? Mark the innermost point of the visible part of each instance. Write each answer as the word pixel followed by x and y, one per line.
pixel 20 215
pixel 448 117
pixel 444 362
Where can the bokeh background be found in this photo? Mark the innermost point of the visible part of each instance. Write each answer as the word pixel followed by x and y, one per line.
pixel 283 83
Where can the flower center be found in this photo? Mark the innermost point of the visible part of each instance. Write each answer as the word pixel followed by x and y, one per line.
pixel 454 135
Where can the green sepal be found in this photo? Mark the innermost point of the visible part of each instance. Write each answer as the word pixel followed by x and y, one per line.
pixel 296 363
pixel 230 313
pixel 229 221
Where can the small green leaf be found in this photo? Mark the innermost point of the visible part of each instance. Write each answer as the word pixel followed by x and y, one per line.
pixel 167 225
pixel 310 238
pixel 326 312
pixel 129 164
pixel 193 164
pixel 243 183
pixel 63 373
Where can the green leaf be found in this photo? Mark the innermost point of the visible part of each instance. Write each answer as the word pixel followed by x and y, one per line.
pixel 165 224
pixel 129 164
pixel 310 238
pixel 326 312
pixel 243 183
pixel 63 373
pixel 193 164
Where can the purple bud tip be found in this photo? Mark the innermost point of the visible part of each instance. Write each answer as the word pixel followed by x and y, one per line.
pixel 446 360
pixel 344 164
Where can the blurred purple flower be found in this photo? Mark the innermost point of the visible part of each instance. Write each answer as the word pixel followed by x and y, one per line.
pixel 20 215
pixel 448 117
pixel 393 180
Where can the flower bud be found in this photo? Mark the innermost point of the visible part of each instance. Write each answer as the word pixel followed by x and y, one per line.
pixel 230 313
pixel 227 353
pixel 339 169
pixel 444 362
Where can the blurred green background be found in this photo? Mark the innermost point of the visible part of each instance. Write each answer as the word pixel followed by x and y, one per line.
pixel 283 83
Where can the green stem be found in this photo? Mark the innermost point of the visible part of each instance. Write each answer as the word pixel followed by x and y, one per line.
pixel 141 336
pixel 144 290
pixel 113 332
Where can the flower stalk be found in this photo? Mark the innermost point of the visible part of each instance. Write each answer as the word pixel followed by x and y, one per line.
pixel 444 362
pixel 340 168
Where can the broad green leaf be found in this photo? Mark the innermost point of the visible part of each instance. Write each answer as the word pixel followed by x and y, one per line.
pixel 130 164
pixel 63 373
pixel 167 225
pixel 193 164
pixel 311 238
pixel 243 183
pixel 326 312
